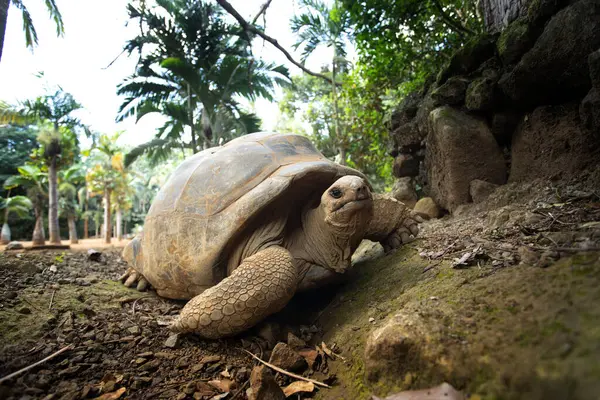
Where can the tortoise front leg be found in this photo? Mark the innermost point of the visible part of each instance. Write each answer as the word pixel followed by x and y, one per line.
pixel 393 223
pixel 260 286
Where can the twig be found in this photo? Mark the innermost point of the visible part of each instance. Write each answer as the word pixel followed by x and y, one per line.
pixel 432 266
pixel 7 377
pixel 28 302
pixel 283 371
pixel 52 299
pixel 236 394
pixel 135 302
pixel 251 28
pixel 262 10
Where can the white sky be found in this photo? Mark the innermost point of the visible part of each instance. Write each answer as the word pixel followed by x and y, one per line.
pixel 95 33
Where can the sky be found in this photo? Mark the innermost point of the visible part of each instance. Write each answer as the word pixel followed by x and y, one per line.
pixel 95 33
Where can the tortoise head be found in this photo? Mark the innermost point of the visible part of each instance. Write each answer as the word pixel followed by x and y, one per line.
pixel 348 204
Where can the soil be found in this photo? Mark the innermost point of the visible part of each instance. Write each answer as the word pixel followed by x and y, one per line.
pixel 509 290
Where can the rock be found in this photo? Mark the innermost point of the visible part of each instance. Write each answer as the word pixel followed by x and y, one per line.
pixel 540 11
pixel 295 342
pixel 150 366
pixel 504 125
pixel 406 110
pixel 271 332
pixel 405 165
pixel 444 391
pixel 427 106
pixel 589 111
pixel 594 64
pixel 427 208
pixel 452 92
pixel 284 357
pixel 480 94
pixel 24 310
pixel 551 143
pixel 10 295
pixel 407 138
pixel 480 190
pixel 94 255
pixel 404 191
pixel 528 256
pixel 469 57
pixel 460 148
pixel 394 346
pixel 514 41
pixel 263 385
pixel 556 67
pixel 53 268
pixel 171 341
pixel 14 246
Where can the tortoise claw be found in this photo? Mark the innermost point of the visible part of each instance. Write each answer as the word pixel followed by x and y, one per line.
pixel 132 278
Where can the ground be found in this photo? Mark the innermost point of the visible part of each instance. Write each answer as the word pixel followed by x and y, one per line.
pixel 505 297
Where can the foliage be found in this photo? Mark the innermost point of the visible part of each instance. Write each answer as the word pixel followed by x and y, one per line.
pixel 408 40
pixel 19 205
pixel 192 68
pixel 16 145
pixel 107 165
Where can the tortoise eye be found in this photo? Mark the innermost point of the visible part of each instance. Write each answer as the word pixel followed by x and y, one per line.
pixel 335 193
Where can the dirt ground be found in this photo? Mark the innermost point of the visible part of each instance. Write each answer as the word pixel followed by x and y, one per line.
pixel 506 296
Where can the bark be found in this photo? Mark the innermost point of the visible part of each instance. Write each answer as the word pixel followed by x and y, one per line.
pixel 497 14
pixel 4 5
pixel 5 236
pixel 96 226
pixel 72 229
pixel 39 237
pixel 336 113
pixel 119 224
pixel 191 118
pixel 53 200
pixel 107 216
pixel 85 228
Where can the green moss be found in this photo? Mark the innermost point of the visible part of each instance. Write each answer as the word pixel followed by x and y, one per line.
pixel 498 334
pixel 514 41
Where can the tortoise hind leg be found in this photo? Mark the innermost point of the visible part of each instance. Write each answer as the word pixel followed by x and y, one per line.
pixel 260 286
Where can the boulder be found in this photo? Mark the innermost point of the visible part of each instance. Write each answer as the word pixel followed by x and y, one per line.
pixel 404 191
pixel 480 190
pixel 427 208
pixel 480 94
pixel 514 41
pixel 551 142
pixel 594 64
pixel 469 57
pixel 589 111
pixel 283 356
pixel 263 385
pixel 427 106
pixel 405 165
pixel 503 126
pixel 406 110
pixel 540 11
pixel 396 346
pixel 407 138
pixel 460 148
pixel 555 68
pixel 452 92
pixel 14 246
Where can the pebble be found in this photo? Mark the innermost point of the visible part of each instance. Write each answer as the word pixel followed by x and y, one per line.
pixel 24 310
pixel 371 319
pixel 172 340
pixel 11 295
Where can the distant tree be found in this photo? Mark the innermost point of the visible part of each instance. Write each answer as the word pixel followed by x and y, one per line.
pixel 69 180
pixel 35 182
pixel 16 145
pixel 31 37
pixel 19 205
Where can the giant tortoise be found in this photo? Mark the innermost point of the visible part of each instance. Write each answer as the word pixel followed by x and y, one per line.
pixel 238 229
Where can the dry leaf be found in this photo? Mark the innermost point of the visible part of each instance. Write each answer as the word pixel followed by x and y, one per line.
pixel 113 395
pixel 225 374
pixel 298 386
pixel 311 356
pixel 222 385
pixel 330 352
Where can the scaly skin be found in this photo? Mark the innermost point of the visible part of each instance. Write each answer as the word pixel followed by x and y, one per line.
pixel 393 223
pixel 260 286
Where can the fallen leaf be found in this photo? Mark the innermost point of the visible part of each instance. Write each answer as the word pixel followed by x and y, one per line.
pixel 113 395
pixel 298 386
pixel 225 374
pixel 330 352
pixel 222 385
pixel 311 356
pixel 220 396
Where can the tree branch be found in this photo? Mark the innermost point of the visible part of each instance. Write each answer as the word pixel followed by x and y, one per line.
pixel 262 10
pixel 454 24
pixel 250 28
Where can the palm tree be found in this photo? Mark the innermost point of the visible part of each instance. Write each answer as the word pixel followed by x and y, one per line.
pixel 321 25
pixel 69 206
pixel 196 67
pixel 32 179
pixel 19 205
pixel 31 38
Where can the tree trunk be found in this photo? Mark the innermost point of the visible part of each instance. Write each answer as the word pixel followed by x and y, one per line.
pixel 191 118
pixel 85 228
pixel 39 237
pixel 53 200
pixel 119 224
pixel 107 216
pixel 4 5
pixel 497 14
pixel 5 235
pixel 336 114
pixel 72 229
pixel 96 226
